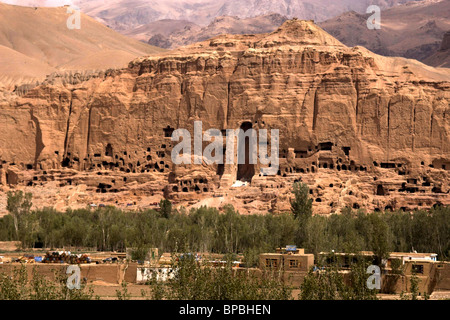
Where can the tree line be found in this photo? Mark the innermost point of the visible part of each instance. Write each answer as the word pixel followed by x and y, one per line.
pixel 208 230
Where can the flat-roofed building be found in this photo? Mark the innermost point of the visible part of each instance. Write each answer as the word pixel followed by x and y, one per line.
pixel 293 263
pixel 287 259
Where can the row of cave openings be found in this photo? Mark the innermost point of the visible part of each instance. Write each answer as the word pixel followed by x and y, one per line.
pixel 109 187
pixel 323 146
pixel 380 191
pixel 196 185
pixel 411 185
pixel 122 161
pixel 339 166
pixel 444 165
pixel 412 208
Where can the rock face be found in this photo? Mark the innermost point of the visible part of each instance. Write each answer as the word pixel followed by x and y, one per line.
pixel 445 45
pixel 159 40
pixel 362 130
pixel 441 58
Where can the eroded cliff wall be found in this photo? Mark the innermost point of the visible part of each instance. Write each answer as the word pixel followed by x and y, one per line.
pixel 362 130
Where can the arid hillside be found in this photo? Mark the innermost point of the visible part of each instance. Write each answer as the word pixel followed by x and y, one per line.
pixel 36 41
pixel 414 30
pixel 189 33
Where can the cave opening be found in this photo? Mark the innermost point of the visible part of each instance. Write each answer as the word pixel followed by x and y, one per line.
pixel 221 166
pixel 168 132
pixel 380 190
pixel 246 170
pixel 109 150
pixel 65 163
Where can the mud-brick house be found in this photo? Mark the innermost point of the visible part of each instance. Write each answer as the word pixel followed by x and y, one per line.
pixel 292 262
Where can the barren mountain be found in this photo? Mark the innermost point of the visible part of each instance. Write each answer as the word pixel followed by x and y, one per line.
pixel 413 30
pixel 164 28
pixel 221 25
pixel 124 15
pixel 37 41
pixel 362 130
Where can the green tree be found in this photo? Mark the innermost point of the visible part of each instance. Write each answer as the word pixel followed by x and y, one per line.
pixel 123 294
pixel 379 238
pixel 165 208
pixel 18 205
pixel 140 252
pixel 301 205
pixel 323 284
pixel 414 283
pixel 16 285
pixel 192 281
pixel 358 289
pixel 315 235
pixel 328 283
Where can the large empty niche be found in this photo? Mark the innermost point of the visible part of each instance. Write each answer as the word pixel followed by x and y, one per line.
pixel 221 166
pixel 109 150
pixel 168 132
pixel 245 171
pixel 380 190
pixel 325 146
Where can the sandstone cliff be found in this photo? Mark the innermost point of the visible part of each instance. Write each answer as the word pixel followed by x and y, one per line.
pixel 362 130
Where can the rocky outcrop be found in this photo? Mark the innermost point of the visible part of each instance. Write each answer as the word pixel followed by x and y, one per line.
pixel 159 40
pixel 441 58
pixel 445 45
pixel 362 130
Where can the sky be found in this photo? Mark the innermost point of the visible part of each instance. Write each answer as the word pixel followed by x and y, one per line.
pixel 40 3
